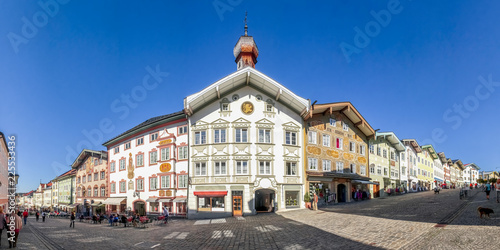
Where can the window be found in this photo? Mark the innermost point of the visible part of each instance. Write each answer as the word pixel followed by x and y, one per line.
pixel 183 129
pixel 290 138
pixel 392 155
pixel 372 169
pixel 385 153
pixel 111 167
pixel 210 203
pixel 200 168
pixel 362 170
pixel 122 187
pixel 264 136
pixel 140 184
pixel 225 107
pixel 327 165
pixel 332 122
pixel 165 154
pixel 291 168
pixel 89 192
pixel 241 167
pixel 352 146
pixel 362 149
pixel 403 171
pixel 113 187
pixel 200 137
pixel 220 168
pixel 326 140
pixel 183 152
pixel 96 192
pixel 378 150
pixel 219 136
pixel 89 178
pixel 117 150
pixel 353 168
pixel 340 167
pixel 339 141
pixel 122 164
pixel 183 181
pixel 78 180
pixel 139 141
pixel 96 162
pixel 154 137
pixel 84 179
pixel 379 170
pixel 165 181
pixel 153 183
pixel 372 149
pixel 96 176
pixel 153 156
pixel 403 156
pixel 385 171
pixel 103 175
pixel 265 167
pixel 345 126
pixel 139 160
pixel 312 137
pixel 127 145
pixel 241 135
pixel 313 164
pixel 269 107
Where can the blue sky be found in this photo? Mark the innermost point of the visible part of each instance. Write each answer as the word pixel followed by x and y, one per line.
pixel 75 70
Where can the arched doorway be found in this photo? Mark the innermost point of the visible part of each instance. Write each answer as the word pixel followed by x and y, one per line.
pixel 264 200
pixel 140 208
pixel 341 189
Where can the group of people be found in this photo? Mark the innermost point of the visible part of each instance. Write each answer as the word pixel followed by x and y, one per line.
pixel 13 229
pixel 489 187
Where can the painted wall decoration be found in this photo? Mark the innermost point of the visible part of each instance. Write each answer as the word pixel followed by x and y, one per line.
pixel 130 167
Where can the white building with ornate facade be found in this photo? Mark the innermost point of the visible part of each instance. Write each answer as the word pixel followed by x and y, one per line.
pixel 245 142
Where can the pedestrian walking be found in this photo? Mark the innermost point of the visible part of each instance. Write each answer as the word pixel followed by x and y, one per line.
pixel 25 216
pixel 487 190
pixel 124 220
pixel 111 218
pixel 43 216
pixel 165 214
pixel 37 215
pixel 497 188
pixel 3 224
pixel 18 225
pixel 72 218
pixel 315 202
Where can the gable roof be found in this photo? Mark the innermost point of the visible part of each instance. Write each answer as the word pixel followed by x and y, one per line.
pixel 472 165
pixel 431 150
pixel 149 123
pixel 246 77
pixel 393 139
pixel 414 144
pixel 87 152
pixel 347 109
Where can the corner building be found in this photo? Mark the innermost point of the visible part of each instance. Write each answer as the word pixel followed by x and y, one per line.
pixel 245 143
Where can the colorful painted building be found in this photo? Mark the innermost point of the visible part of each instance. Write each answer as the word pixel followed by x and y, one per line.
pixel 412 149
pixel 385 149
pixel 471 174
pixel 336 151
pixel 425 161
pixel 91 181
pixel 148 167
pixel 67 190
pixel 437 173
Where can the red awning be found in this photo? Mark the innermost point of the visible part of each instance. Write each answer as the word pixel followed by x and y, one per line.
pixel 210 193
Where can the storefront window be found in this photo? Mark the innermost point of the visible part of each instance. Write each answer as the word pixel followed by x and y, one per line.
pixel 292 199
pixel 153 207
pixel 210 203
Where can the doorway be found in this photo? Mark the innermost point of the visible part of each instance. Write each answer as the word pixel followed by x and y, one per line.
pixel 264 200
pixel 237 203
pixel 341 189
pixel 140 208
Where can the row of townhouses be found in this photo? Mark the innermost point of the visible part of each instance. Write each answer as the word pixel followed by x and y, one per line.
pixel 247 144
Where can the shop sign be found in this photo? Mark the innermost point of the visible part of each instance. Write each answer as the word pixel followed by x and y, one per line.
pixel 167 141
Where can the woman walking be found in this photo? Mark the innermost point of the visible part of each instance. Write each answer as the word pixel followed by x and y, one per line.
pixel 488 190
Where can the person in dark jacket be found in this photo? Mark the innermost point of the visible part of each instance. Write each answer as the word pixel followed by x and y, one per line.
pixel 124 220
pixel 73 217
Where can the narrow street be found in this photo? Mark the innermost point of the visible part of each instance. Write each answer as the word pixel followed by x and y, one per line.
pixel 413 221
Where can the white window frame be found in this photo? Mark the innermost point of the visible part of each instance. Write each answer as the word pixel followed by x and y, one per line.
pixel 345 126
pixel 122 164
pixel 117 150
pixel 265 135
pixel 200 137
pixel 290 138
pixel 153 183
pixel 139 184
pixel 312 164
pixel 352 168
pixel 112 167
pixel 332 122
pixel 362 170
pixel 291 168
pixel 220 135
pixel 326 140
pixel 200 168
pixel 183 181
pixel 183 152
pixel 153 157
pixel 265 168
pixel 243 165
pixel 140 160
pixel 340 144
pixel 352 147
pixel 241 135
pixel 312 137
pixel 220 168
pixel 165 154
pixel 154 136
pixel 139 141
pixel 340 167
pixel 165 181
pixel 327 165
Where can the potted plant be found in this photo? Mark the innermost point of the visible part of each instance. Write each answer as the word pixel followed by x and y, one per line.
pixel 307 200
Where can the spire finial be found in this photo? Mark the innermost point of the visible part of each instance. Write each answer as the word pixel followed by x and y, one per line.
pixel 246 26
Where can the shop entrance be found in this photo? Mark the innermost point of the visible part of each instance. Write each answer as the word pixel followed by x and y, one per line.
pixel 341 189
pixel 237 203
pixel 140 208
pixel 264 200
pixel 376 191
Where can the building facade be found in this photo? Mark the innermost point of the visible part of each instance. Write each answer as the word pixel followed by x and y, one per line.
pixel 4 172
pixel 437 173
pixel 412 150
pixel 148 167
pixel 336 151
pixel 471 174
pixel 425 170
pixel 385 149
pixel 91 181
pixel 67 190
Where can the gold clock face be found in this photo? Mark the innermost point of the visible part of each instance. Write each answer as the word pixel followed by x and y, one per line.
pixel 247 108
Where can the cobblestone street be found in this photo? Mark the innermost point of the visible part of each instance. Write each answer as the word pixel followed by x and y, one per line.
pixel 413 221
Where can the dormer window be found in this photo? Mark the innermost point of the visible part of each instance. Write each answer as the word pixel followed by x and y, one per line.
pixel 225 107
pixel 269 107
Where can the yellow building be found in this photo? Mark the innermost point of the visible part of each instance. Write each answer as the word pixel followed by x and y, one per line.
pixel 425 163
